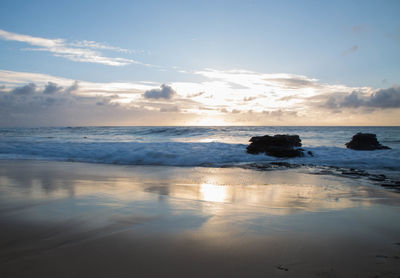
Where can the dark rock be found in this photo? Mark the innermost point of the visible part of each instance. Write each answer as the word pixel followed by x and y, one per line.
pixel 391 186
pixel 365 142
pixel 388 185
pixel 376 178
pixel 281 267
pixel 354 172
pixel 278 140
pixel 278 145
pixel 285 164
pixel 310 153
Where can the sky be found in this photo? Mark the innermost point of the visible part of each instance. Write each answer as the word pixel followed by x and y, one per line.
pixel 72 63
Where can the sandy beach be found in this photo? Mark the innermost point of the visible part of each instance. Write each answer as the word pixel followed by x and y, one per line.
pixel 61 219
pixel 199 139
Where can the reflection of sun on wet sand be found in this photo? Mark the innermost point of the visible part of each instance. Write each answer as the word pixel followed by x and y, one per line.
pixel 213 192
pixel 74 219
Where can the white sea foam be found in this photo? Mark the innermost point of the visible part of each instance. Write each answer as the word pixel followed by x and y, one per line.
pixel 193 146
pixel 192 154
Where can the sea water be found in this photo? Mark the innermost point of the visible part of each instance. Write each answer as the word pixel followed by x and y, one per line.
pixel 195 146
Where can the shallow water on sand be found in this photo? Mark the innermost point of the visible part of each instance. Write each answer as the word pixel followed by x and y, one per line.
pixel 125 220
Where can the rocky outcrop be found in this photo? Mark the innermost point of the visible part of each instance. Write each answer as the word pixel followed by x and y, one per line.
pixel 365 142
pixel 278 145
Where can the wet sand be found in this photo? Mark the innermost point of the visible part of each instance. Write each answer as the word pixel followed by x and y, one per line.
pixel 62 219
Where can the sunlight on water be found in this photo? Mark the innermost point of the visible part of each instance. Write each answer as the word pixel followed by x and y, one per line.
pixel 213 193
pixel 278 192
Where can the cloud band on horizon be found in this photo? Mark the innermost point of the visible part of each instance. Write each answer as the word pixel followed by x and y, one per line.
pixel 258 99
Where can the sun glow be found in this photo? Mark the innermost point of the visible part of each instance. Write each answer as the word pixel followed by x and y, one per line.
pixel 208 121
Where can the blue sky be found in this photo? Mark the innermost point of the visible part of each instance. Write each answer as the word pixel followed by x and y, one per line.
pixel 344 46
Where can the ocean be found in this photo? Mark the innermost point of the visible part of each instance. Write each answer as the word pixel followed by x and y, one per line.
pixel 195 146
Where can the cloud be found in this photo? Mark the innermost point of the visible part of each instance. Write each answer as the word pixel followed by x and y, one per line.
pixel 97 45
pixel 24 90
pixel 170 109
pixel 245 99
pixel 352 49
pixel 30 99
pixel 287 98
pixel 386 98
pixel 165 92
pixel 359 29
pixel 237 86
pixel 382 98
pixel 24 101
pixel 249 80
pixel 29 105
pixel 265 92
pixel 127 89
pixel 48 105
pixel 108 101
pixel 52 88
pixel 72 88
pixel 34 94
pixel 294 82
pixel 78 51
pixel 280 113
pixel 352 100
pixel 206 108
pixel 331 103
pixel 196 94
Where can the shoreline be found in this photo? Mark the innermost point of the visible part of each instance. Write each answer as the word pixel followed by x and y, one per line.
pixel 388 179
pixel 81 219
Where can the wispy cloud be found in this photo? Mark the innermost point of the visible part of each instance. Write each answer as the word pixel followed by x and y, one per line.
pixel 78 51
pixel 98 45
pixel 352 49
pixel 359 28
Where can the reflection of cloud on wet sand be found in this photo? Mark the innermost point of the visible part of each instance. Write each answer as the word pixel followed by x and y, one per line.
pixel 194 217
pixel 276 192
pixel 276 198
